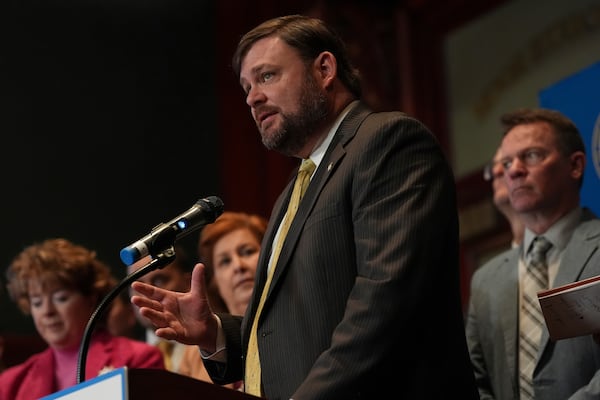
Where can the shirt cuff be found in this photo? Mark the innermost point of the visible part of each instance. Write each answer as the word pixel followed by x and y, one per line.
pixel 220 354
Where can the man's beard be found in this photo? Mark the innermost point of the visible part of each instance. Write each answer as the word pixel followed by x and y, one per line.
pixel 297 129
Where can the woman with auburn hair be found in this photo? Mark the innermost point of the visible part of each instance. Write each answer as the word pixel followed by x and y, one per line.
pixel 60 284
pixel 229 249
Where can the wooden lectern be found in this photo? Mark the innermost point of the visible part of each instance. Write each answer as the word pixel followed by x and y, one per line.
pixel 146 384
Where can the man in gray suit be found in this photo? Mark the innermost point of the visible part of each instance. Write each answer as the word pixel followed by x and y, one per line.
pixel 364 300
pixel 543 157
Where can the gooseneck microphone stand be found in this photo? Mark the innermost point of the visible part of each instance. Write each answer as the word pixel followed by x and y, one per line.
pixel 158 261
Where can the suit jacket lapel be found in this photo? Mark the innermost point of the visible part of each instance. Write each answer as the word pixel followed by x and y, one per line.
pixel 579 250
pixel 265 254
pixel 39 381
pixel 331 159
pixel 98 360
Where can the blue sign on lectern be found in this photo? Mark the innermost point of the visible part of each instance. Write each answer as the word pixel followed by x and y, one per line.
pixel 578 97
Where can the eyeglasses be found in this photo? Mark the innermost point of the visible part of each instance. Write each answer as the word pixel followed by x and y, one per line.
pixel 529 157
pixel 488 170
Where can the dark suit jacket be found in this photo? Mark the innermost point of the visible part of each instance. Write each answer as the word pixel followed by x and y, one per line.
pixel 365 300
pixel 564 367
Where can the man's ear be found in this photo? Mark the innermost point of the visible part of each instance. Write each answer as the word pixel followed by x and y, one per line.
pixel 577 164
pixel 326 68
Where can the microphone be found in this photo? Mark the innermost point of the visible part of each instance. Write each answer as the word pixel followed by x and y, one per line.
pixel 164 235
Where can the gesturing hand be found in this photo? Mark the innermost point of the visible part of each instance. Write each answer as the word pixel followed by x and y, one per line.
pixel 185 317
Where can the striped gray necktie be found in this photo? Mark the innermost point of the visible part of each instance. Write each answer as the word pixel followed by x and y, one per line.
pixel 535 279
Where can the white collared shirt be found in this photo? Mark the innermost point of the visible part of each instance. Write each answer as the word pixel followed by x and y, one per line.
pixel 559 235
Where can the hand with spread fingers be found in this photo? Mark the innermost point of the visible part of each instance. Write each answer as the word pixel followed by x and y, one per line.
pixel 185 317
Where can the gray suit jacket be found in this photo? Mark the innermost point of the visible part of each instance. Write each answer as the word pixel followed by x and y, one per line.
pixel 565 368
pixel 365 300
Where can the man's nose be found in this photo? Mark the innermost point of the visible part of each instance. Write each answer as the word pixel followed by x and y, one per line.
pixel 254 97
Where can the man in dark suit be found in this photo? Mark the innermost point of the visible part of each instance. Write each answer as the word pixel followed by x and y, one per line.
pixel 364 301
pixel 543 158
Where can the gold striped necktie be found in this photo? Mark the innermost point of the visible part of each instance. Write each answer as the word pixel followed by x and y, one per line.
pixel 253 373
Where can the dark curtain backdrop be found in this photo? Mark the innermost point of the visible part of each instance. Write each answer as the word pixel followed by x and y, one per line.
pixel 108 121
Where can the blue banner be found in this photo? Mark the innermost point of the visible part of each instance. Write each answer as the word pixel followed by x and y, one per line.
pixel 578 97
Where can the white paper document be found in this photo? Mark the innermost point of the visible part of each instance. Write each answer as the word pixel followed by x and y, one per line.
pixel 573 309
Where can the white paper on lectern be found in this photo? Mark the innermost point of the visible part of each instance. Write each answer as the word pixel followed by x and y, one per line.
pixel 111 385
